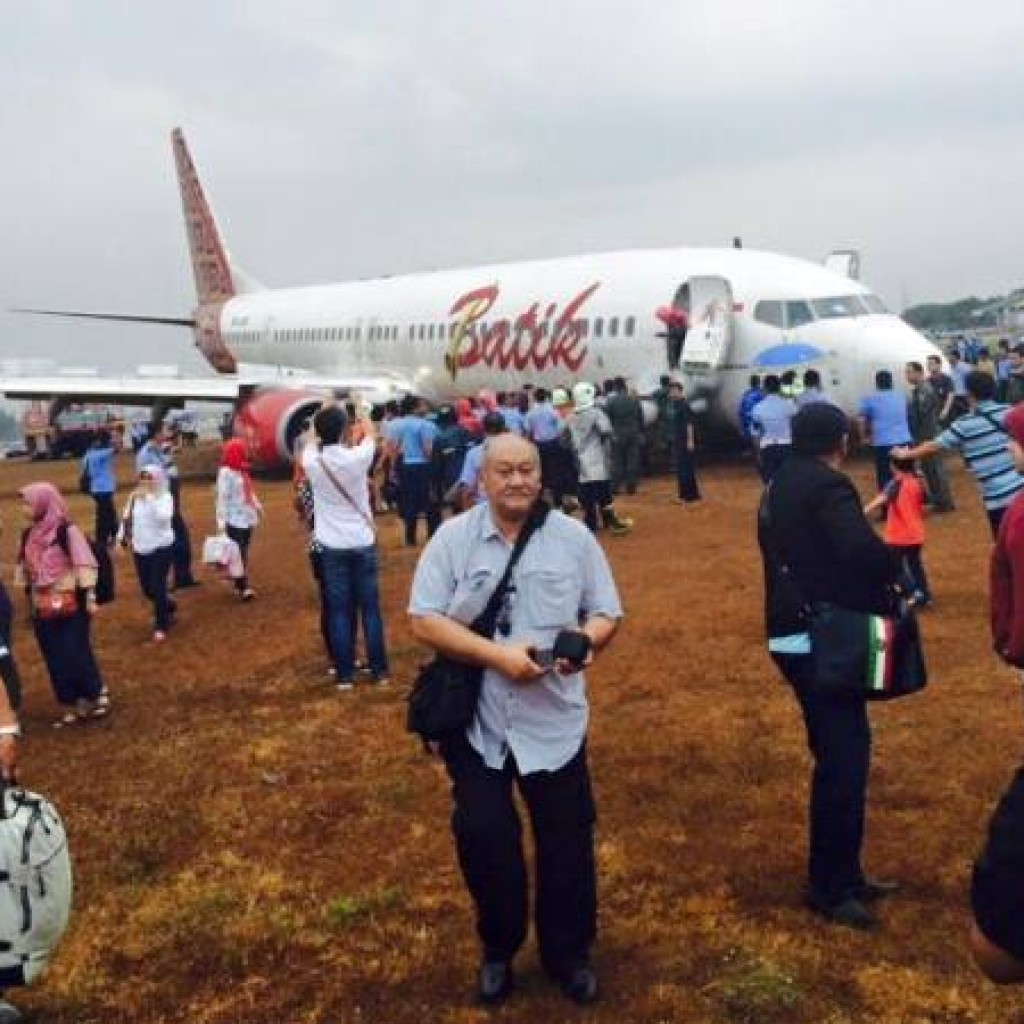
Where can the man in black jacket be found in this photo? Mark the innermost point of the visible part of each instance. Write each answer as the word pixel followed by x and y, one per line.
pixel 817 545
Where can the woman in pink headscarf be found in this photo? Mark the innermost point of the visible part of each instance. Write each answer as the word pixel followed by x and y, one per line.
pixel 238 508
pixel 60 571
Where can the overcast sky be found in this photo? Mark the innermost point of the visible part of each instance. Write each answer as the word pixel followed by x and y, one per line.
pixel 343 139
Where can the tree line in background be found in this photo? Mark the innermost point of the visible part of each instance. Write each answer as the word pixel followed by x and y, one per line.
pixel 963 314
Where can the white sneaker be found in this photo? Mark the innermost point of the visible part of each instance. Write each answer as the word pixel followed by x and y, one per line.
pixel 345 686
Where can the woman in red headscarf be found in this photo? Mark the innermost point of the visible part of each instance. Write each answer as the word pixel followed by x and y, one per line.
pixel 238 509
pixel 59 569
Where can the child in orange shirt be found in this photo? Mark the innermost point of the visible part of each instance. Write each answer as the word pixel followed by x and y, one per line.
pixel 903 502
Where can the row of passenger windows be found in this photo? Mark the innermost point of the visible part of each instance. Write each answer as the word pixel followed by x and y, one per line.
pixel 610 327
pixel 790 313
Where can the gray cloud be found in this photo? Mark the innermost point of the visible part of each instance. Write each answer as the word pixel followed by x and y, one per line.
pixel 344 139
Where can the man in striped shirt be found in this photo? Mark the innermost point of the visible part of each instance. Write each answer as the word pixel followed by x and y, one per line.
pixel 981 440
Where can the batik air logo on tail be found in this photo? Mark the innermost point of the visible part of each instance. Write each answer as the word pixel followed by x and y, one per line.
pixel 535 339
pixel 210 265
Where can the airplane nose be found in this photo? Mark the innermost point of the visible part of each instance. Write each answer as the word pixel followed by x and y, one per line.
pixel 888 343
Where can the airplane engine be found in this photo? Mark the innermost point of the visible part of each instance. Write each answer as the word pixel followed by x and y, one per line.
pixel 270 422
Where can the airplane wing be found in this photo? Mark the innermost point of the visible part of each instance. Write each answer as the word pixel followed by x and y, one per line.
pixel 139 389
pixel 120 390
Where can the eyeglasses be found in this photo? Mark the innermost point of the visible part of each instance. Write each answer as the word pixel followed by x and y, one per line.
pixel 503 623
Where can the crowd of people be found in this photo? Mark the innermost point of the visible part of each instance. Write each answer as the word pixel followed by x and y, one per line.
pixel 502 477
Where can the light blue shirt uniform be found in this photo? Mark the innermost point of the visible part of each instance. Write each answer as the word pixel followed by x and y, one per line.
pixel 413 435
pixel 771 420
pixel 100 464
pixel 153 454
pixel 562 579
pixel 886 412
pixel 514 421
pixel 470 475
pixel 543 424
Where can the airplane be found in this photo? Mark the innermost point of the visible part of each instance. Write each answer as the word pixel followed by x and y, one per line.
pixel 707 316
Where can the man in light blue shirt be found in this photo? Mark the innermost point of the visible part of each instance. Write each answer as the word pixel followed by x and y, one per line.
pixel 509 408
pixel 411 442
pixel 544 427
pixel 98 465
pixel 531 721
pixel 770 423
pixel 883 421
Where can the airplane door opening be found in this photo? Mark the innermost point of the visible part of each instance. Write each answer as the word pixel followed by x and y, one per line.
pixel 677 325
pixel 708 338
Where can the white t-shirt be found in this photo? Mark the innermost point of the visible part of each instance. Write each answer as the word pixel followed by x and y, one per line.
pixel 336 523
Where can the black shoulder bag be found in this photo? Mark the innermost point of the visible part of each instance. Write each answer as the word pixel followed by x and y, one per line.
pixel 854 654
pixel 445 691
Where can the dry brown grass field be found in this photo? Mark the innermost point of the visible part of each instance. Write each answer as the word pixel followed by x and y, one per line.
pixel 251 846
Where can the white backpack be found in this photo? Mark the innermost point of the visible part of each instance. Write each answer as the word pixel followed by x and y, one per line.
pixel 35 885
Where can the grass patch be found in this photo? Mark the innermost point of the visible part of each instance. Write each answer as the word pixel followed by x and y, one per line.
pixel 755 990
pixel 344 911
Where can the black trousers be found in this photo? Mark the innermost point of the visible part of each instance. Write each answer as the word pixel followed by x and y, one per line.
pixel 181 559
pixel 913 569
pixel 152 570
pixel 995 518
pixel 414 500
pixel 106 519
pixel 686 476
pixel 316 565
pixel 839 738
pixel 625 461
pixel 556 470
pixel 242 536
pixel 596 498
pixel 770 458
pixel 488 835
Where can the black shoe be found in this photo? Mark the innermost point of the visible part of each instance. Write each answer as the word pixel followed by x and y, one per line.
pixel 850 913
pixel 875 889
pixel 494 982
pixel 580 985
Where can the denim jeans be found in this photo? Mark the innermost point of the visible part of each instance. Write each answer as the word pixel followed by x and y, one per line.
pixel 350 583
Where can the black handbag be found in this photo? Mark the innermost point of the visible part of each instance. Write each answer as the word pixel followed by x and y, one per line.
pixel 878 657
pixel 853 653
pixel 445 691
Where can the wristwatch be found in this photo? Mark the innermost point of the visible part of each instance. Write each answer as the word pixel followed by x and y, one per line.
pixel 11 730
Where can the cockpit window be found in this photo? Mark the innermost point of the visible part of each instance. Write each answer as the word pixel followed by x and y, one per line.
pixel 792 313
pixel 838 306
pixel 798 313
pixel 769 311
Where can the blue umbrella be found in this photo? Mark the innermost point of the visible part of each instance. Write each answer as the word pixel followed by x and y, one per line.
pixel 788 355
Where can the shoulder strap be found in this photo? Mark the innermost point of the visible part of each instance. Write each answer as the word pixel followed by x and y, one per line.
pixel 485 622
pixel 340 487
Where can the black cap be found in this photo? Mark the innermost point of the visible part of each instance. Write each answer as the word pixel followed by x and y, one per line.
pixel 818 428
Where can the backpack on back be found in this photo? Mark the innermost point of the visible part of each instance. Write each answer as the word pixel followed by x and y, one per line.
pixel 35 885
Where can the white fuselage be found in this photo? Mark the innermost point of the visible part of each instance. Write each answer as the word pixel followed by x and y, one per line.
pixel 553 322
